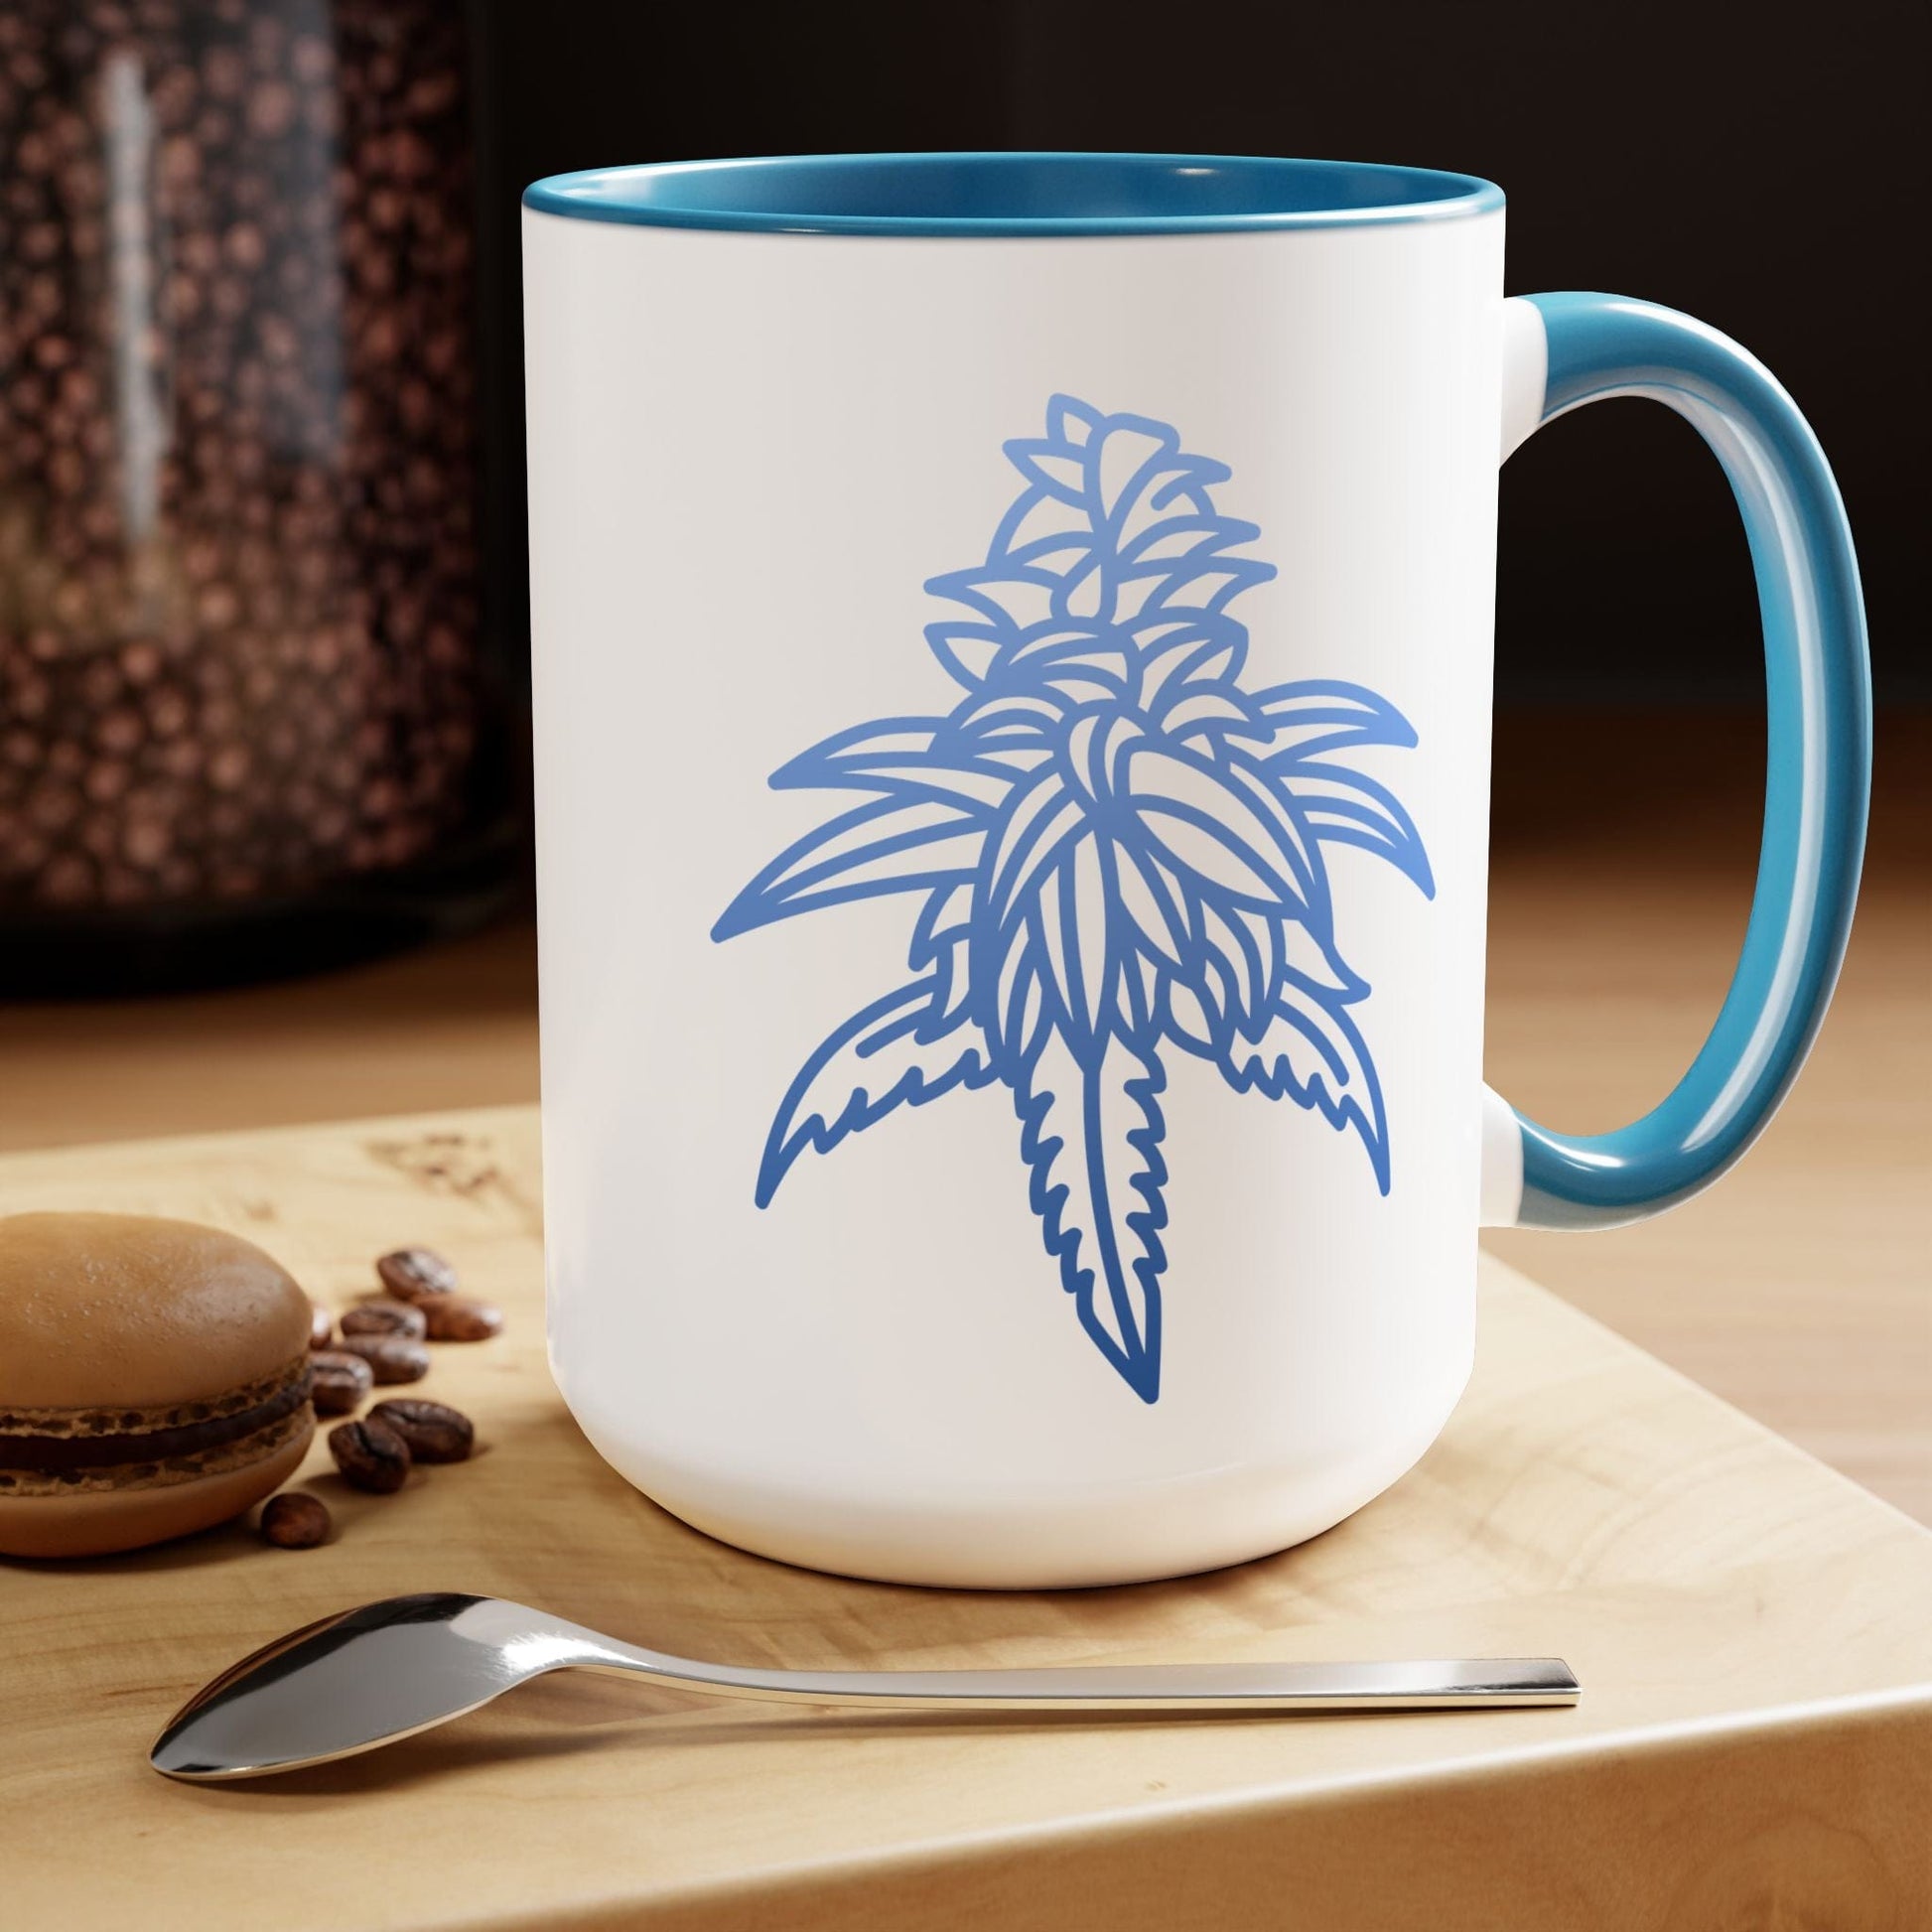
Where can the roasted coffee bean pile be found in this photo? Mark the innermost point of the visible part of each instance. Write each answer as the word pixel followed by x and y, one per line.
pixel 381 1340
pixel 238 464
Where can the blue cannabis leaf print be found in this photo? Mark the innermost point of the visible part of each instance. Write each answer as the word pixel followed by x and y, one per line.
pixel 1117 851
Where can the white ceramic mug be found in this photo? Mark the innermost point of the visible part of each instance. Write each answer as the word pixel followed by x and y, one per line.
pixel 1012 642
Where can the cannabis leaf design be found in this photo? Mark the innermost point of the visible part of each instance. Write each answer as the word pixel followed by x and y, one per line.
pixel 1116 850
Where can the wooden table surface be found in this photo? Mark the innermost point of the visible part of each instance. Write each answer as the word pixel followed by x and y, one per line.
pixel 1800 1289
pixel 1753 1748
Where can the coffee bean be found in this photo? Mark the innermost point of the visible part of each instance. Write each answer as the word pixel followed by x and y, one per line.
pixel 416 1274
pixel 434 1431
pixel 459 1317
pixel 294 1521
pixel 390 1358
pixel 370 1456
pixel 385 1319
pixel 322 1326
pixel 338 1381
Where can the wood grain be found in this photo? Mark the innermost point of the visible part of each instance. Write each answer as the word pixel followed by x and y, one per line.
pixel 1755 1746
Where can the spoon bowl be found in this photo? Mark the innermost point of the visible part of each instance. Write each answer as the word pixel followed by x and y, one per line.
pixel 362 1678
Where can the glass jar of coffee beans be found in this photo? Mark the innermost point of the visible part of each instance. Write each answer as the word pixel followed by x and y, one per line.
pixel 246 721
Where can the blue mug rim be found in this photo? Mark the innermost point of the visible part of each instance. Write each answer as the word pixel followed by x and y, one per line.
pixel 997 192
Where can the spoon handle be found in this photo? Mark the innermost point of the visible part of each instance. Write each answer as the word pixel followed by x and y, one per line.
pixel 1430 1684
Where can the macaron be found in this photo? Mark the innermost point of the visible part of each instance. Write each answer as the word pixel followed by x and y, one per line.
pixel 154 1380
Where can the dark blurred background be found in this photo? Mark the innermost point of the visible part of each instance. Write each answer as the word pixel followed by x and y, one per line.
pixel 1762 170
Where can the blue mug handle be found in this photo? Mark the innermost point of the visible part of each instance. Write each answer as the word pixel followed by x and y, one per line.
pixel 1564 351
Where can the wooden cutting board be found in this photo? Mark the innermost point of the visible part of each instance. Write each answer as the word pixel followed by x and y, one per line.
pixel 1753 1748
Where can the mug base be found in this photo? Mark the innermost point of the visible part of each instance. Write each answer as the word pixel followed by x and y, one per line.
pixel 1144 1534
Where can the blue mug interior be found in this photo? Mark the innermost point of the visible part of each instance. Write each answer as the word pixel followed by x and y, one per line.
pixel 1011 193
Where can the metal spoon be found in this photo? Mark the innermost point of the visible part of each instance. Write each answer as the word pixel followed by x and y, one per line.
pixel 391 1669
